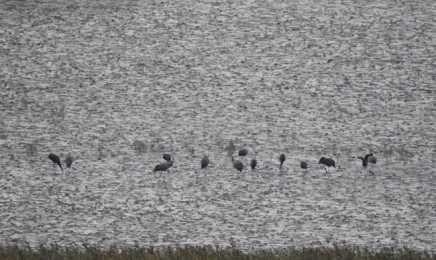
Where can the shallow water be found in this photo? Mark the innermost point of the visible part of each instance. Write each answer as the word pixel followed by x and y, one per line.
pixel 116 84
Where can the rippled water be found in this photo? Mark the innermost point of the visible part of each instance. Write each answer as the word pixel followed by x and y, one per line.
pixel 116 84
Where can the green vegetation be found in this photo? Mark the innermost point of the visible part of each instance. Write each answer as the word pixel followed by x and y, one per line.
pixel 208 252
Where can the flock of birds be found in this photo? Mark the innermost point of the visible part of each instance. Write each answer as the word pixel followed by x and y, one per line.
pixel 237 164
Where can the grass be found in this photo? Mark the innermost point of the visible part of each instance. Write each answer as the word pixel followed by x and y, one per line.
pixel 208 252
pixel 156 145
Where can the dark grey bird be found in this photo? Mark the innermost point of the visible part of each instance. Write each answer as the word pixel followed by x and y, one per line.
pixel 204 162
pixel 282 159
pixel 327 162
pixel 162 167
pixel 243 152
pixel 303 165
pixel 56 160
pixel 69 161
pixel 237 164
pixel 253 164
pixel 364 161
pixel 167 157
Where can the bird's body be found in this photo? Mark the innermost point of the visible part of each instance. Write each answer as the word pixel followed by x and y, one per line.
pixel 167 157
pixel 253 164
pixel 237 164
pixel 56 160
pixel 243 152
pixel 69 161
pixel 162 167
pixel 204 162
pixel 327 162
pixel 282 159
pixel 303 165
pixel 369 158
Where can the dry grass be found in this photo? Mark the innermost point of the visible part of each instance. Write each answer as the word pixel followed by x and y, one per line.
pixel 207 252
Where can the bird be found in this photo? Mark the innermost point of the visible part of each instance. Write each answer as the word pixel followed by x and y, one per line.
pixel 69 161
pixel 369 158
pixel 204 162
pixel 364 161
pixel 253 164
pixel 56 160
pixel 163 167
pixel 167 157
pixel 327 162
pixel 243 152
pixel 282 158
pixel 237 164
pixel 303 165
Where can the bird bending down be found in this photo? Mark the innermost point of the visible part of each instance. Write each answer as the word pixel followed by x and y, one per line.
pixel 327 162
pixel 204 162
pixel 243 152
pixel 56 160
pixel 253 164
pixel 369 158
pixel 364 162
pixel 282 159
pixel 237 164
